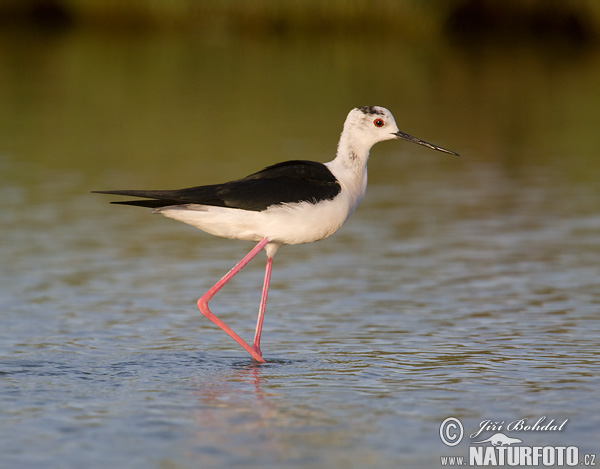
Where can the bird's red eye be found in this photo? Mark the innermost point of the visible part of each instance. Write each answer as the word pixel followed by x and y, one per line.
pixel 378 122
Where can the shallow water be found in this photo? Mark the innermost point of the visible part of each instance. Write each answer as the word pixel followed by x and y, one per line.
pixel 462 287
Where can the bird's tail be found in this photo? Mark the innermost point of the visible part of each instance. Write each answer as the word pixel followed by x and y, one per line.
pixel 155 199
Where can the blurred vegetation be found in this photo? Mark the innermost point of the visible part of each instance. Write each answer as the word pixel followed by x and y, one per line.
pixel 578 20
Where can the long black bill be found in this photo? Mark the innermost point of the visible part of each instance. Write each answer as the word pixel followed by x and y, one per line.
pixel 410 138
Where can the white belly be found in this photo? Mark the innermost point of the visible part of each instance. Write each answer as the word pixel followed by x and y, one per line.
pixel 294 223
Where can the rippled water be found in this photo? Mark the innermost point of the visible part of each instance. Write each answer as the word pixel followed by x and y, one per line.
pixel 462 287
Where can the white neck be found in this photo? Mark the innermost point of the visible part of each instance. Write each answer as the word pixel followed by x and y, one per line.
pixel 352 152
pixel 350 169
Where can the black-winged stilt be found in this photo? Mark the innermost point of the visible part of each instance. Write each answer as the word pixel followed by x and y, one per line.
pixel 293 202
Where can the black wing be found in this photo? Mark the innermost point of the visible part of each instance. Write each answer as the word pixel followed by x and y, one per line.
pixel 287 182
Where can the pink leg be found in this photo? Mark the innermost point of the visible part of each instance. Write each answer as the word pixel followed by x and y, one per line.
pixel 263 304
pixel 204 299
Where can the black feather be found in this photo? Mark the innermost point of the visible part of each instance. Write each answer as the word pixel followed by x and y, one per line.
pixel 287 182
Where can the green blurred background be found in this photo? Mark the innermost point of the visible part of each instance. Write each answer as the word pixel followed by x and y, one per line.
pixel 156 91
pixel 578 18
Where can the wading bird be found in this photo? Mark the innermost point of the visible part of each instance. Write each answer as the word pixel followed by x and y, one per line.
pixel 293 202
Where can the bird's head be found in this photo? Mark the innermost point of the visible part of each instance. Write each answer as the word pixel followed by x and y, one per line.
pixel 367 125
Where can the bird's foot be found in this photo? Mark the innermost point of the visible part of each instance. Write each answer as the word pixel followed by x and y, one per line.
pixel 254 353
